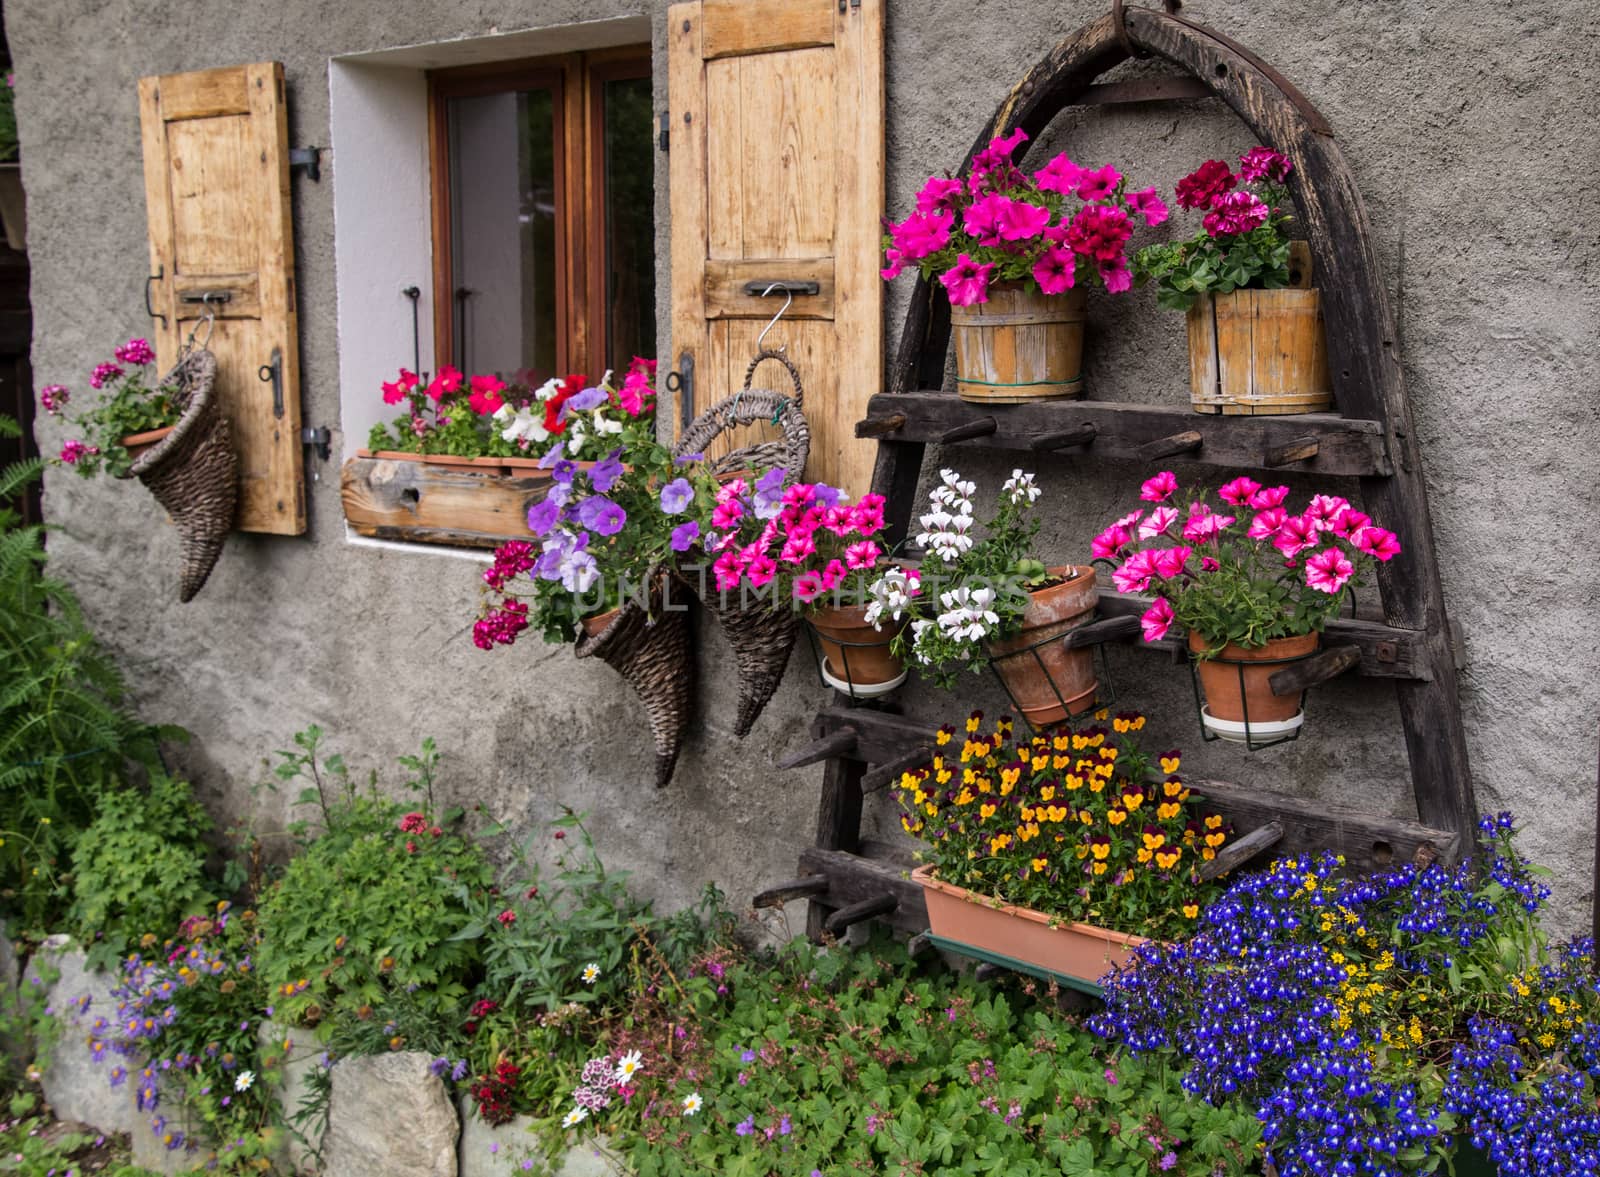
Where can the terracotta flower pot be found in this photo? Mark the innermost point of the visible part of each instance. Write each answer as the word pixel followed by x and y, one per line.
pixel 138 443
pixel 1228 709
pixel 855 657
pixel 1081 951
pixel 595 624
pixel 1047 681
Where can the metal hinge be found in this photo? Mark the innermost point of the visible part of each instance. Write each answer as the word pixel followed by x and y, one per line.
pixel 309 159
pixel 664 140
pixel 320 438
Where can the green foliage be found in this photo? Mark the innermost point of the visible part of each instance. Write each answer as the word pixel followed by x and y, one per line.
pixel 8 126
pixel 374 902
pixel 66 739
pixel 138 868
pixel 32 1146
pixel 130 401
pixel 867 1062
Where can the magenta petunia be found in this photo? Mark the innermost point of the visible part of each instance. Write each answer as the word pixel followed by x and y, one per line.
pixel 938 195
pixel 1155 621
pixel 1099 184
pixel 1116 275
pixel 1379 543
pixel 1238 491
pixel 1268 497
pixel 1147 204
pixel 1056 270
pixel 921 234
pixel 1160 488
pixel 967 281
pixel 896 264
pixel 1018 220
pixel 1059 175
pixel 1135 573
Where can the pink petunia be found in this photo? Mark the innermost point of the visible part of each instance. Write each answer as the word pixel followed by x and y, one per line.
pixel 447 381
pixel 938 195
pixel 1160 488
pixel 1056 270
pixel 1328 570
pixel 862 555
pixel 1099 184
pixel 1116 275
pixel 1147 204
pixel 1204 524
pixel 726 516
pixel 1268 497
pixel 1170 562
pixel 1378 543
pixel 1109 542
pixel 1019 220
pixel 832 573
pixel 761 570
pixel 1209 564
pixel 921 234
pixel 1135 573
pixel 1238 491
pixel 981 219
pixel 1296 534
pixel 1160 519
pixel 1131 518
pixel 896 264
pixel 1350 523
pixel 797 548
pixel 1155 622
pixel 1266 523
pixel 867 514
pixel 1059 175
pixel 1325 510
pixel 967 281
pixel 808 586
pixel 727 568
pixel 485 397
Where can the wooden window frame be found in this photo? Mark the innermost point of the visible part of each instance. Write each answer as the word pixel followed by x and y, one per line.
pixel 577 85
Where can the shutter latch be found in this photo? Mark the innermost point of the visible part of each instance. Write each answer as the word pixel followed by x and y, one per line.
pixel 664 138
pixel 309 159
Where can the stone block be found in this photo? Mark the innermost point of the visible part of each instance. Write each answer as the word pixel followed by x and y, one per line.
pixel 300 1060
pixel 498 1151
pixel 390 1115
pixel 76 1086
pixel 152 1131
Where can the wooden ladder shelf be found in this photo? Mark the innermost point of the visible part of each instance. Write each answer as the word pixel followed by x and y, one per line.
pixel 1372 439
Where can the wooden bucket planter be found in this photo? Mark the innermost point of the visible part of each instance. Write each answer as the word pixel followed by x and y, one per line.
pixel 1020 346
pixel 1019 937
pixel 1261 352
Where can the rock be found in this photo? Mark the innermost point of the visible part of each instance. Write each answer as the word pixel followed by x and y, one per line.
pixel 77 1087
pixel 9 972
pixel 390 1115
pixel 152 1131
pixel 479 1157
pixel 294 1086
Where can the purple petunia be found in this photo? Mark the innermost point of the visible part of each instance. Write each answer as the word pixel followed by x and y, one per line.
pixel 606 472
pixel 676 496
pixel 684 535
pixel 601 516
pixel 542 516
pixel 564 468
pixel 589 398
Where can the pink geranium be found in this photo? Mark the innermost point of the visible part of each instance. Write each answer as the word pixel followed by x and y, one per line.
pixel 1207 182
pixel 1263 163
pixel 1235 213
pixel 1100 232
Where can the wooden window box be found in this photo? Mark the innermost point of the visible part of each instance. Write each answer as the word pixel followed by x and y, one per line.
pixel 436 499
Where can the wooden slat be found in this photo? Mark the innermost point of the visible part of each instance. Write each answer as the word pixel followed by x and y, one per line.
pixel 686 163
pixel 455 505
pixel 1386 652
pixel 734 27
pixel 205 94
pixel 1345 446
pixel 854 878
pixel 1368 841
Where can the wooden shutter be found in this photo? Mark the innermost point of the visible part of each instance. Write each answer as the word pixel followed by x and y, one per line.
pixel 776 115
pixel 216 174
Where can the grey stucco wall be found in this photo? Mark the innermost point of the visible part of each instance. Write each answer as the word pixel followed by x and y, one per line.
pixel 1470 129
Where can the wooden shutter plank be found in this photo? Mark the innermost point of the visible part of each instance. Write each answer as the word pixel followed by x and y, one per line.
pixel 734 27
pixel 686 87
pixel 725 167
pixel 859 74
pixel 789 132
pixel 725 281
pixel 217 191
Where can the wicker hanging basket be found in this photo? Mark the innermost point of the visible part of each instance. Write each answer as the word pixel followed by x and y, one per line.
pixel 761 632
pixel 193 472
pixel 650 649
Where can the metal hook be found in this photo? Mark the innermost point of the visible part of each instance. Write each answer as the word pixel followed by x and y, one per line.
pixel 210 321
pixel 788 301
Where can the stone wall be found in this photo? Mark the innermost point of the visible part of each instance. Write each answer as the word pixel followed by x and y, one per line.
pixel 1468 129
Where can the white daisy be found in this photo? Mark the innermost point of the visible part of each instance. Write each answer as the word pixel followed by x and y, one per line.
pixel 591 973
pixel 575 1116
pixel 692 1103
pixel 628 1065
pixel 243 1082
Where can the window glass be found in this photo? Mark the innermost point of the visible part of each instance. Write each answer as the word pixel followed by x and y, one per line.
pixel 630 225
pixel 504 223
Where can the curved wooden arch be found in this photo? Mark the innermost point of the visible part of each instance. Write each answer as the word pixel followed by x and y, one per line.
pixel 1367 377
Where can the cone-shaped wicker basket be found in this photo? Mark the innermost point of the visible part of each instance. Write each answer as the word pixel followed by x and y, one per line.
pixel 650 649
pixel 762 632
pixel 193 472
